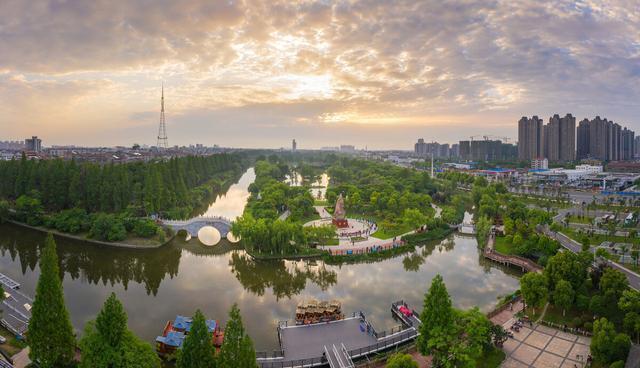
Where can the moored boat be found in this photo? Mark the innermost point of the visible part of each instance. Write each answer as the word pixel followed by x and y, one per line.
pixel 314 311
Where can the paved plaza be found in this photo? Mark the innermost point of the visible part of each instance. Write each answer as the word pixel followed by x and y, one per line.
pixel 545 347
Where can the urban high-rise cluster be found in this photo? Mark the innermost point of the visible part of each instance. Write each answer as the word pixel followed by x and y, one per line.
pixel 605 140
pixel 444 150
pixel 597 139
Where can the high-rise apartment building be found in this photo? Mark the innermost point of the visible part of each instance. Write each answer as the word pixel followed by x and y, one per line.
pixel 605 140
pixel 530 138
pixel 34 144
pixel 560 138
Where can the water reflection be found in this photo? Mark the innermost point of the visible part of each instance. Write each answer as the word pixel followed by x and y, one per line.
pixel 155 285
pixel 319 187
pixel 285 278
pixel 92 264
pixel 232 203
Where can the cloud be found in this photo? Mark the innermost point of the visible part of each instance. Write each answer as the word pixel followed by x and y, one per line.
pixel 401 63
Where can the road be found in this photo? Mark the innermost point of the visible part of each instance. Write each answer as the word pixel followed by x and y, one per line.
pixel 574 246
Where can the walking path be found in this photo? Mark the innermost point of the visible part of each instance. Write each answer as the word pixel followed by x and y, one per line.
pixel 523 263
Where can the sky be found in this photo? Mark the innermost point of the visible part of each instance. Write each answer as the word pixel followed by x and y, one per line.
pixel 375 73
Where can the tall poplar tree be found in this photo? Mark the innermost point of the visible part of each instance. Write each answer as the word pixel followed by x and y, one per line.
pixel 50 334
pixel 237 349
pixel 437 332
pixel 197 350
pixel 108 343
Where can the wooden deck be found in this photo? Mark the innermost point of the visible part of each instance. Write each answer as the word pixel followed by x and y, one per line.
pixel 337 344
pixel 526 265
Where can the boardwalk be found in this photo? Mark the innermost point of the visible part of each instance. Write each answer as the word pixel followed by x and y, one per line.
pixel 523 263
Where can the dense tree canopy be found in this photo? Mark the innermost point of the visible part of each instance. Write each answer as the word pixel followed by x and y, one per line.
pixel 167 187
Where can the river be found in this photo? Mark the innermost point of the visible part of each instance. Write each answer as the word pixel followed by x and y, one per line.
pixel 181 277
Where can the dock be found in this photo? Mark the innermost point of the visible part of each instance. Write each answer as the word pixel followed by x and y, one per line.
pixel 16 311
pixel 338 344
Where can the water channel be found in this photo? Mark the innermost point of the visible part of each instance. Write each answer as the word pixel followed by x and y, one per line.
pixel 181 277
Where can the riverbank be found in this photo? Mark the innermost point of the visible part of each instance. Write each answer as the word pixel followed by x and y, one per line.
pixel 311 254
pixel 92 241
pixel 409 244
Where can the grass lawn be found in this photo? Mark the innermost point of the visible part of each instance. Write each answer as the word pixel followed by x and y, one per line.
pixel 318 202
pixel 388 234
pixel 554 315
pixel 580 220
pixel 502 246
pixel 491 359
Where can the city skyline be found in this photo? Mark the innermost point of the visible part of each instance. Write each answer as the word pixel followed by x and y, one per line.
pixel 326 73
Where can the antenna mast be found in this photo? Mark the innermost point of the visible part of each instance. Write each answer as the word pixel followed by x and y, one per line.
pixel 163 142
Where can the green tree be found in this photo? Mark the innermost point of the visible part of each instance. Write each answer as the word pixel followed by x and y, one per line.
pixel 437 332
pixel 197 350
pixel 563 295
pixel 237 348
pixel 483 228
pixel 50 334
pixel 607 346
pixel 413 218
pixel 108 343
pixel 400 360
pixel 534 289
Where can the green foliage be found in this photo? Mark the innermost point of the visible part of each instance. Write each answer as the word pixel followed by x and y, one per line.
pixel 197 350
pixel 270 237
pixel 567 266
pixel 108 343
pixel 400 360
pixel 108 227
pixel 563 295
pixel 483 228
pixel 607 346
pixel 50 334
pixel 437 329
pixel 453 338
pixel 534 288
pixel 70 221
pixel 29 209
pixel 173 186
pixel 413 218
pixel 237 349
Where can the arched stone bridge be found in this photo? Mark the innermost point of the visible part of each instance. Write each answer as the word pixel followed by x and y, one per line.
pixel 192 226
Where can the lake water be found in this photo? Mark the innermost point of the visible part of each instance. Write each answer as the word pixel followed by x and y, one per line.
pixel 181 277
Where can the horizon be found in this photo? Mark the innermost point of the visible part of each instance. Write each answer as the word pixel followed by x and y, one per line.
pixel 375 75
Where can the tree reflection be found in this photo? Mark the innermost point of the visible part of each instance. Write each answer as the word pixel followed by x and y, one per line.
pixel 93 263
pixel 413 262
pixel 285 278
